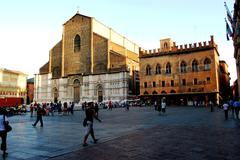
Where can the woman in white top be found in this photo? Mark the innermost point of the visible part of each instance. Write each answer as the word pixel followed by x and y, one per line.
pixel 3 133
pixel 163 105
pixel 225 108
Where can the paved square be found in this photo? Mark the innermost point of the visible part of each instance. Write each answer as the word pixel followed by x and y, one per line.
pixel 141 133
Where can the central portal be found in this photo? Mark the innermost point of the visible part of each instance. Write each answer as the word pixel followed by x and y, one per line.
pixel 100 93
pixel 76 90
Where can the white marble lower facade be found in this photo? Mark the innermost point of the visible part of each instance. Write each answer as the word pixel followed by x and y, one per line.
pixel 81 88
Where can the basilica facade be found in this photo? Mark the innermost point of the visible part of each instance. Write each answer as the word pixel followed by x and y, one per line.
pixel 91 62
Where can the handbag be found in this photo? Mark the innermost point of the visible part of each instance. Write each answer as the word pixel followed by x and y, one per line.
pixel 85 122
pixel 7 126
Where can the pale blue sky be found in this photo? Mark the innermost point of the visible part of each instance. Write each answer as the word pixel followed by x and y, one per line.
pixel 30 28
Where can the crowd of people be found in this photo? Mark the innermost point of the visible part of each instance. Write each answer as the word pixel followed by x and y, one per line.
pixel 49 108
pixel 160 105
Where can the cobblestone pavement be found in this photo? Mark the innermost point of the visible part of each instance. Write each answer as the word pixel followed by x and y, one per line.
pixel 141 134
pixel 164 142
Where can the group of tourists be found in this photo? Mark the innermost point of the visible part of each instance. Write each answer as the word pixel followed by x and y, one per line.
pixel 49 108
pixel 233 107
pixel 160 106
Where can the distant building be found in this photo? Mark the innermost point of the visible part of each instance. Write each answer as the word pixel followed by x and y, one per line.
pixel 236 40
pixel 30 90
pixel 91 62
pixel 182 74
pixel 12 88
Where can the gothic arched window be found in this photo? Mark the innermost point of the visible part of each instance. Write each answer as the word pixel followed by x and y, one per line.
pixel 183 67
pixel 194 65
pixel 165 45
pixel 168 68
pixel 148 70
pixel 207 63
pixel 158 69
pixel 77 43
pixel 56 71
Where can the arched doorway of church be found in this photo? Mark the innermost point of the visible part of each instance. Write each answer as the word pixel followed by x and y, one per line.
pixel 100 93
pixel 55 95
pixel 76 90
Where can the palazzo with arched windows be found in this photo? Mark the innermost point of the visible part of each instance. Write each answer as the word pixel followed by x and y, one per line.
pixel 183 75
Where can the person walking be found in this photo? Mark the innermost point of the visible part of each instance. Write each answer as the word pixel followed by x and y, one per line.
pixel 211 106
pixel 110 105
pixel 72 108
pixel 231 107
pixel 225 108
pixel 127 105
pixel 155 105
pixel 40 113
pixel 90 114
pixel 159 106
pixel 163 105
pixel 51 109
pixel 59 107
pixel 3 132
pixel 236 108
pixel 65 108
pixel 31 109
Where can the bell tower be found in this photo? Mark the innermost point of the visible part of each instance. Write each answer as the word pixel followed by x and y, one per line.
pixel 166 44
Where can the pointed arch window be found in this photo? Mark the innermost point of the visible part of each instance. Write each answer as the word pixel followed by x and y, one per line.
pixel 207 63
pixel 158 69
pixel 194 65
pixel 183 67
pixel 77 43
pixel 56 71
pixel 165 45
pixel 148 70
pixel 168 68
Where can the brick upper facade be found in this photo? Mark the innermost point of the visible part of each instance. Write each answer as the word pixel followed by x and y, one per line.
pixel 98 53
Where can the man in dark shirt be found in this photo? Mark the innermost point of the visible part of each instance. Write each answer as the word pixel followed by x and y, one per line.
pixel 90 114
pixel 40 113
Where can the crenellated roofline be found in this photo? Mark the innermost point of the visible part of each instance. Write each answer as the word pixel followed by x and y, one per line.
pixel 186 48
